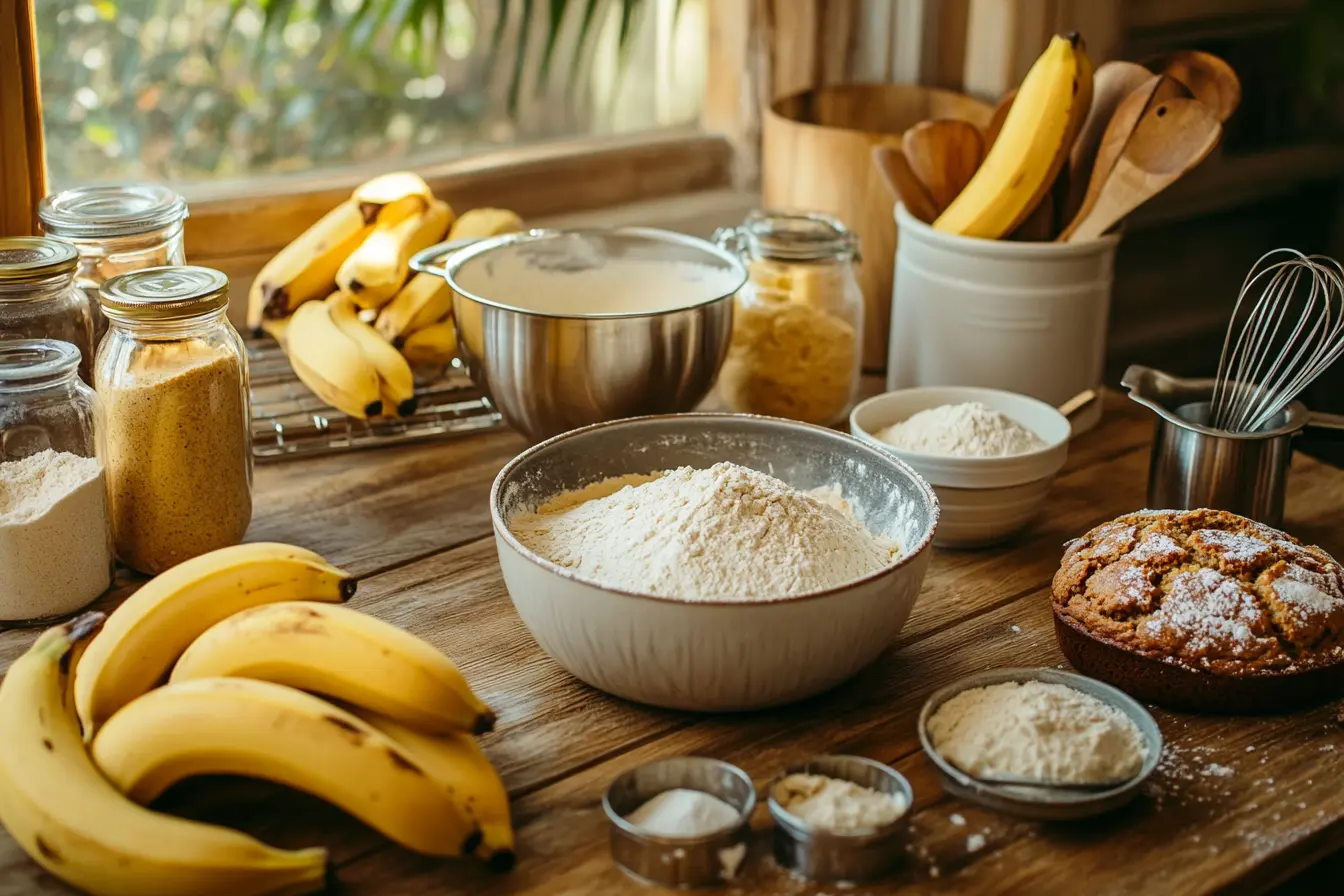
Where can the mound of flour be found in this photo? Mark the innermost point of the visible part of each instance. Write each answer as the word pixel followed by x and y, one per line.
pixel 724 533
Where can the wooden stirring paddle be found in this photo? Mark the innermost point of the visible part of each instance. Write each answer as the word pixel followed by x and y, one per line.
pixel 1210 79
pixel 944 154
pixel 1111 83
pixel 1171 138
pixel 1118 131
pixel 901 181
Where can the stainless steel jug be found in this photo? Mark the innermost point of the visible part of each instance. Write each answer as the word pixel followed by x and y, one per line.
pixel 1194 465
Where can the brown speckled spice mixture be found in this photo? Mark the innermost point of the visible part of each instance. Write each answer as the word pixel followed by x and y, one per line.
pixel 177 455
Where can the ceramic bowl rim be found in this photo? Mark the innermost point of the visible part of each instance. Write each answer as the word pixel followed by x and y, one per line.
pixel 1115 697
pixel 502 530
pixel 920 456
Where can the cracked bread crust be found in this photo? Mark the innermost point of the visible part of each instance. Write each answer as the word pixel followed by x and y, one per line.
pixel 1206 590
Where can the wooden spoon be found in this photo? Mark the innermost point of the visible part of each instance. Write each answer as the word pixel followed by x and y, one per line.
pixel 998 118
pixel 1112 82
pixel 1210 79
pixel 901 181
pixel 1113 140
pixel 944 154
pixel 1171 138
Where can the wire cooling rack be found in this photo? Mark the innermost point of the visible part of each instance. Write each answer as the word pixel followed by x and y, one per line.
pixel 289 421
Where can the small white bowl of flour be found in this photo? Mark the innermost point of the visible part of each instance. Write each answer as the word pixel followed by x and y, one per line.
pixel 990 455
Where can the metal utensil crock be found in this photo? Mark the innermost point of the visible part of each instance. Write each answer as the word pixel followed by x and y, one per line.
pixel 548 373
pixel 1194 465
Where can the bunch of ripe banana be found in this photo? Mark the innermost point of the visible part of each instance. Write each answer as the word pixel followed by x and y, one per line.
pixel 357 325
pixel 1031 148
pixel 268 677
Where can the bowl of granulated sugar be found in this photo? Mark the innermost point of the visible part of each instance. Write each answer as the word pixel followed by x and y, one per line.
pixel 990 455
pixel 712 562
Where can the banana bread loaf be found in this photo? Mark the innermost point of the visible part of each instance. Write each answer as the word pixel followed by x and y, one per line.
pixel 1206 590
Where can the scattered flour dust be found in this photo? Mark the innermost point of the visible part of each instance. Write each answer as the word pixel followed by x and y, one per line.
pixel 722 533
pixel 971 429
pixel 1037 730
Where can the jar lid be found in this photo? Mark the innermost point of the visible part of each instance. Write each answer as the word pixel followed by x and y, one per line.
pixel 115 210
pixel 25 259
pixel 165 293
pixel 799 236
pixel 31 359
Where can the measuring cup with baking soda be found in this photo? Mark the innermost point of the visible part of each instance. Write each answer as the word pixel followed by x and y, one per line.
pixel 1197 465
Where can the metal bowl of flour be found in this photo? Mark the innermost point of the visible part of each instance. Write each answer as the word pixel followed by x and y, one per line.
pixel 716 655
pixel 563 328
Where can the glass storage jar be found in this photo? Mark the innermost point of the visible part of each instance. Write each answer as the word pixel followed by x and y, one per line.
pixel 55 549
pixel 116 229
pixel 798 321
pixel 172 374
pixel 38 298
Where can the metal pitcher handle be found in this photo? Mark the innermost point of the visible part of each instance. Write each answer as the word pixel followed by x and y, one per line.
pixel 1325 426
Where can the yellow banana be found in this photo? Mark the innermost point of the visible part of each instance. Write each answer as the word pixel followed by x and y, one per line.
pixel 432 347
pixel 456 763
pixel 1031 148
pixel 237 726
pixel 388 188
pixel 61 810
pixel 149 631
pixel 306 268
pixel 398 385
pixel 331 363
pixel 483 222
pixel 424 300
pixel 342 654
pixel 376 270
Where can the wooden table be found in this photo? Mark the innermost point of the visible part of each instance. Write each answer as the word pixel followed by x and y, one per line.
pixel 1237 804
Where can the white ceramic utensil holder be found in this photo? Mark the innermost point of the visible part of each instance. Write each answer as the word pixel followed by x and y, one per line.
pixel 1022 317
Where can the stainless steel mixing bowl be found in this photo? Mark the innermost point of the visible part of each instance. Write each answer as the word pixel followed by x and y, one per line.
pixel 549 373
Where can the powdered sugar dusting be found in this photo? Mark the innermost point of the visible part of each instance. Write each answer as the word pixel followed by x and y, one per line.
pixel 1117 540
pixel 1304 596
pixel 1206 610
pixel 1157 547
pixel 1234 547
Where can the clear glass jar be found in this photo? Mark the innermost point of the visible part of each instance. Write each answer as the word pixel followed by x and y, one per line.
pixel 798 321
pixel 38 298
pixel 172 374
pixel 116 229
pixel 55 546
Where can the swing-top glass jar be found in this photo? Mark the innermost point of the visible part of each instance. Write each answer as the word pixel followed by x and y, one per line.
pixel 172 374
pixel 55 549
pixel 38 298
pixel 798 321
pixel 116 229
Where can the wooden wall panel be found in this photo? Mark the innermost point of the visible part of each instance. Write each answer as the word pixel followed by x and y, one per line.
pixel 23 175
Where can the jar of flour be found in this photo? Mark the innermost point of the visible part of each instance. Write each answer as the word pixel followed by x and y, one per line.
pixel 55 538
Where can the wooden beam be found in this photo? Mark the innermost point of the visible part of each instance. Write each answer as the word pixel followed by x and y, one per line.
pixel 23 171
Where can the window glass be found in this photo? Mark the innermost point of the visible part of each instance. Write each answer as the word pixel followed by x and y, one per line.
pixel 189 90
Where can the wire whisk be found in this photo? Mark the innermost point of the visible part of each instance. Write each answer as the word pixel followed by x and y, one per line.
pixel 1278 343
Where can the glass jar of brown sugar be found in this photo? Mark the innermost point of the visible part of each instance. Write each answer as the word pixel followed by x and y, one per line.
pixel 172 375
pixel 38 298
pixel 116 229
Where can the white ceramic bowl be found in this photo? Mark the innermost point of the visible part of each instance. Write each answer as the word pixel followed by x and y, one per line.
pixel 984 500
pixel 715 656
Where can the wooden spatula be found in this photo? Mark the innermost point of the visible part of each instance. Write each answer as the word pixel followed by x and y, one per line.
pixel 1116 135
pixel 901 181
pixel 998 118
pixel 1112 82
pixel 944 154
pixel 1210 79
pixel 1171 138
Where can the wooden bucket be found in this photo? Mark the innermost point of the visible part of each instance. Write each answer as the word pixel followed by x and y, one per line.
pixel 816 155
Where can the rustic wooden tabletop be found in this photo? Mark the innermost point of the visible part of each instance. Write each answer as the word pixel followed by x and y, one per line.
pixel 1237 804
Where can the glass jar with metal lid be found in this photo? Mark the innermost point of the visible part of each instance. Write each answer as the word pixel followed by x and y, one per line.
pixel 798 321
pixel 116 229
pixel 38 298
pixel 55 549
pixel 172 374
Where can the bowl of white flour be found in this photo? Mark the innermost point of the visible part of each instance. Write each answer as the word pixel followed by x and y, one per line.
pixel 990 455
pixel 712 562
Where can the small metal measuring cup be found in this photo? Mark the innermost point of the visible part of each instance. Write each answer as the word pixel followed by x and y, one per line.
pixel 1194 465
